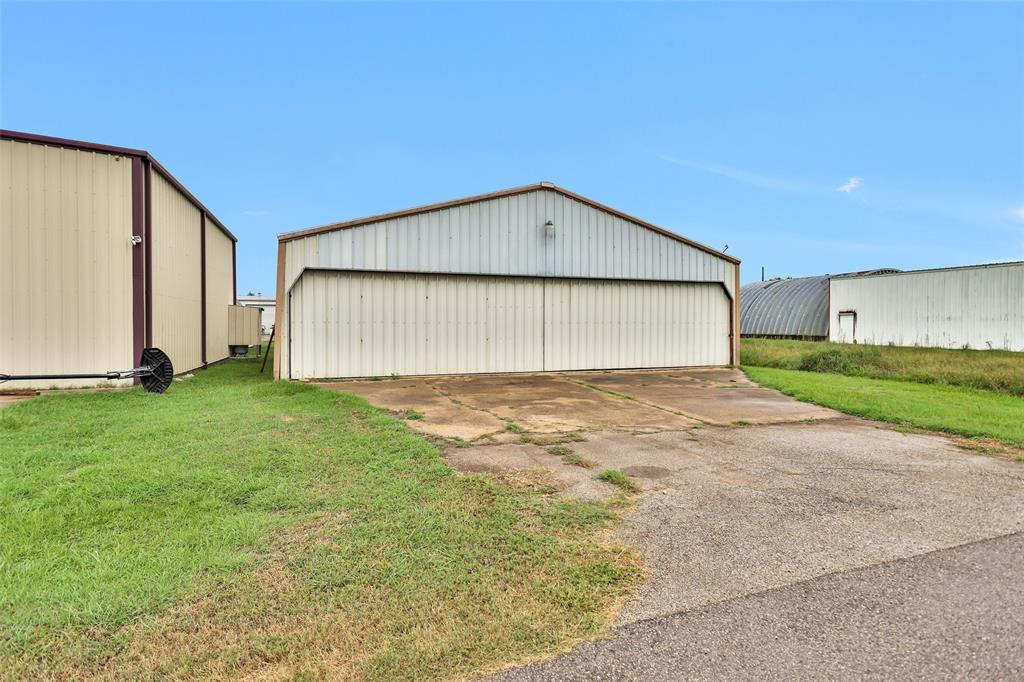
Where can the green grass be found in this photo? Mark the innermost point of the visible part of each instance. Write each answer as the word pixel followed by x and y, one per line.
pixel 617 478
pixel 991 370
pixel 236 526
pixel 964 411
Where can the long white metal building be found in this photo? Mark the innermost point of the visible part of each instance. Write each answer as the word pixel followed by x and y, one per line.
pixel 528 279
pixel 977 306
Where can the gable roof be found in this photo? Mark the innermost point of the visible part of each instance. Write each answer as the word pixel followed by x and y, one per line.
pixel 119 151
pixel 332 227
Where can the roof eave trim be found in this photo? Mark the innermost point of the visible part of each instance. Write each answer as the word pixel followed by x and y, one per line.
pixel 427 208
pixel 18 136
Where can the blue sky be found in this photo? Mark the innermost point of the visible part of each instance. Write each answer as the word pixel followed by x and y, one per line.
pixel 810 138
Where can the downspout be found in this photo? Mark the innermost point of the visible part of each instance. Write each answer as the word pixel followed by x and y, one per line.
pixel 147 242
pixel 202 285
pixel 139 246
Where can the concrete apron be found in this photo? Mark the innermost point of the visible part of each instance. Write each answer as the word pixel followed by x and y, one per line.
pixel 507 423
pixel 744 489
pixel 473 406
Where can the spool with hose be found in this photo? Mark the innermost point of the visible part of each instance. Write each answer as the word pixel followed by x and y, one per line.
pixel 155 372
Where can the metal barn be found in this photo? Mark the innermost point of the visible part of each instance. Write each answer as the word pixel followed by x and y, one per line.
pixel 102 253
pixel 977 306
pixel 529 279
pixel 790 308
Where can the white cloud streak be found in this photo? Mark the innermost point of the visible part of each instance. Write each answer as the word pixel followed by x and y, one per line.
pixel 742 176
pixel 850 185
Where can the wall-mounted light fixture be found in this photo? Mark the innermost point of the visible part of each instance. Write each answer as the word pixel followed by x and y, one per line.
pixel 549 227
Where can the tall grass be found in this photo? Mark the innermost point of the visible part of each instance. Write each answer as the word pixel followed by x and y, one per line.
pixel 991 370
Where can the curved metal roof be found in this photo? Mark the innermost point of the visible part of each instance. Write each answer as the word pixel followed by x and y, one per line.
pixel 789 307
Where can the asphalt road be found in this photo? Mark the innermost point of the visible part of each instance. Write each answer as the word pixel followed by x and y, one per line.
pixel 951 613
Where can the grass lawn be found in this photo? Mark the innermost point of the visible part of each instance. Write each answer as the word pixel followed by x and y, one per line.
pixel 236 526
pixel 964 411
pixel 991 370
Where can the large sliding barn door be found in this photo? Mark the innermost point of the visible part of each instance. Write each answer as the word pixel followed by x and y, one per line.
pixel 357 324
pixel 618 324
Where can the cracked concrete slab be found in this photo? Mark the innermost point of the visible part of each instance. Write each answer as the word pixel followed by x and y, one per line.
pixel 575 481
pixel 473 406
pixel 714 396
pixel 547 403
pixel 441 416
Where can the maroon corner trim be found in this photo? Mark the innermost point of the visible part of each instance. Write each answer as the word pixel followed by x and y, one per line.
pixel 147 242
pixel 202 284
pixel 138 262
pixel 234 275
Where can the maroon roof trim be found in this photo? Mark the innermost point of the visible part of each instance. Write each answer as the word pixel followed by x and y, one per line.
pixel 332 227
pixel 123 151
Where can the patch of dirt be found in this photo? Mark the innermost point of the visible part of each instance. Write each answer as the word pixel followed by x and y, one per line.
pixel 643 471
pixel 988 446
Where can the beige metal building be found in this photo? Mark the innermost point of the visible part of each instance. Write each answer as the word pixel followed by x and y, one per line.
pixel 528 279
pixel 266 304
pixel 977 306
pixel 103 253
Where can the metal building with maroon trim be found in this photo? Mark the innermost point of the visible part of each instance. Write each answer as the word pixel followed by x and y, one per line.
pixel 103 253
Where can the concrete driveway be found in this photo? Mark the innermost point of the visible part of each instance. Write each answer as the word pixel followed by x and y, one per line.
pixel 784 540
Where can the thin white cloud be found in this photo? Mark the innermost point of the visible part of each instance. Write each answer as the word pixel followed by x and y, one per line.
pixel 850 185
pixel 947 205
pixel 740 175
pixel 256 213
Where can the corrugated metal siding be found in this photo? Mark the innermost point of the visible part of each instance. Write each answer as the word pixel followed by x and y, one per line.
pixel 594 324
pixel 364 324
pixel 980 307
pixel 243 325
pixel 176 296
pixel 219 293
pixel 347 324
pixel 65 262
pixel 788 307
pixel 506 236
pixel 267 304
